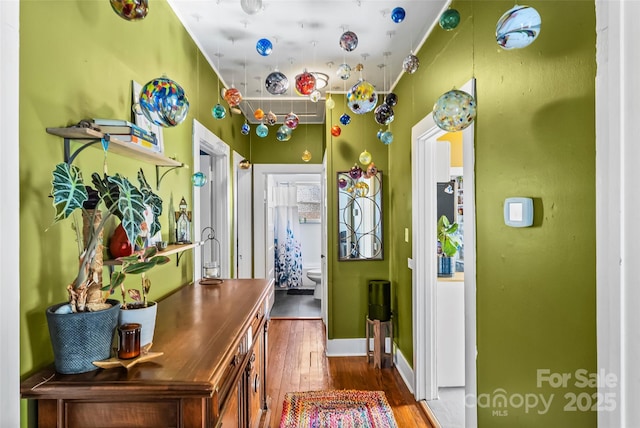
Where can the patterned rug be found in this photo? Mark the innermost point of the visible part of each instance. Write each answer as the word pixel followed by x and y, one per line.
pixel 337 409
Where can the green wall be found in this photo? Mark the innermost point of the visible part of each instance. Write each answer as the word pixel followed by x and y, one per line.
pixel 304 137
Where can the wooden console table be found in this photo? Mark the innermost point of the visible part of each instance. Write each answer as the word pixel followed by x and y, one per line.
pixel 212 373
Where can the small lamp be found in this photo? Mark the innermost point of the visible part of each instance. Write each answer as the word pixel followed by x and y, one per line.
pixel 210 268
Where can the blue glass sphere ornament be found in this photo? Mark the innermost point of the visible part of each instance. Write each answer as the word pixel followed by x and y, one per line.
pixel 397 15
pixel 131 10
pixel 365 158
pixel 276 83
pixel 329 104
pixel 264 47
pixel 291 120
pixel 355 172
pixel 199 179
pixel 218 111
pixel 383 114
pixel 262 130
pixel 386 137
pixel 315 96
pixel 251 7
pixel 411 64
pixel 348 41
pixel 391 99
pixel 245 129
pixel 518 27
pixel 305 83
pixel 164 102
pixel 343 71
pixel 284 133
pixel 345 119
pixel 379 134
pixel 449 19
pixel 271 118
pixel 454 110
pixel 362 97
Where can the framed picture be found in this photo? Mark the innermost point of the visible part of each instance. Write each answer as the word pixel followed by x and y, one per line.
pixel 140 119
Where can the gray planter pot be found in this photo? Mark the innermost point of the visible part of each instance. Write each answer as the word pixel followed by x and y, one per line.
pixel 80 339
pixel 446 266
pixel 146 317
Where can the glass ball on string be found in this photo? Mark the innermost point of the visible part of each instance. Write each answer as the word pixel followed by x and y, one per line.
pixel 336 130
pixel 305 83
pixel 271 118
pixel 306 156
pixel 345 119
pixel 258 114
pixel 342 182
pixel 131 10
pixel 291 120
pixel 362 97
pixel 454 110
pixel 284 133
pixel 262 130
pixel 330 103
pixel 386 137
pixel 343 71
pixel 355 172
pixel 383 114
pixel 251 7
pixel 397 15
pixel 245 129
pixel 365 158
pixel 372 169
pixel 518 27
pixel 315 96
pixel 218 111
pixel 449 19
pixel 411 64
pixel 244 164
pixel 391 99
pixel 264 47
pixel 348 41
pixel 199 179
pixel 233 97
pixel 164 102
pixel 276 83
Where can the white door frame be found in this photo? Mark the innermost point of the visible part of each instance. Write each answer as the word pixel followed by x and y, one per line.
pixel 206 141
pixel 324 307
pixel 424 274
pixel 242 242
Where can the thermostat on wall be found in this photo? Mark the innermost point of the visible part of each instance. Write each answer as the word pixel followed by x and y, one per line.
pixel 518 212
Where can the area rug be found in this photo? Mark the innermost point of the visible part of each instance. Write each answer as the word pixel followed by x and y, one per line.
pixel 300 291
pixel 337 409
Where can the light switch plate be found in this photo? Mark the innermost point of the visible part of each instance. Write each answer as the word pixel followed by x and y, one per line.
pixel 518 212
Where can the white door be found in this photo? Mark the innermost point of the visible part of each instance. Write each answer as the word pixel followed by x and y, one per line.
pixel 242 220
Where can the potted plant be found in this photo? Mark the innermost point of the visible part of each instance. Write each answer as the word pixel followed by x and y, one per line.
pixel 449 240
pixel 82 329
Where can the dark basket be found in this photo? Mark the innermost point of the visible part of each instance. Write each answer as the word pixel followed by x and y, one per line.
pixel 79 339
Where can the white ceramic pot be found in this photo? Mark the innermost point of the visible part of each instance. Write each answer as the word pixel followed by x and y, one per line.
pixel 146 317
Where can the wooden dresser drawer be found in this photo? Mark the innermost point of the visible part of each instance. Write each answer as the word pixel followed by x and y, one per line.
pixel 132 414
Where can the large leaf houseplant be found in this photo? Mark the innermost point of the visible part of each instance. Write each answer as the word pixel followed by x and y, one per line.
pixel 449 239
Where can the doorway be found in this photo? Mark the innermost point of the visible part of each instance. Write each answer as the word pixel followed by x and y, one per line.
pixel 427 336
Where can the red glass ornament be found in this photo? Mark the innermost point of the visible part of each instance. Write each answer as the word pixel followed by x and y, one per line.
pixel 305 83
pixel 232 97
pixel 335 130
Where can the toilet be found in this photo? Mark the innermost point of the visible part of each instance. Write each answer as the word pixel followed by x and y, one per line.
pixel 315 275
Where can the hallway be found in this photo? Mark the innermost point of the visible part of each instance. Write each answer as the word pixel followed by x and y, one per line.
pixel 297 362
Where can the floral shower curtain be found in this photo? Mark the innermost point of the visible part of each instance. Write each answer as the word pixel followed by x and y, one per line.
pixel 288 251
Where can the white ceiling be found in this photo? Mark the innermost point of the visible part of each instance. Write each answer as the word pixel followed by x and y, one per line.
pixel 305 35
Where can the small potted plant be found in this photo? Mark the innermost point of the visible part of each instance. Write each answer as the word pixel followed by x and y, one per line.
pixel 449 240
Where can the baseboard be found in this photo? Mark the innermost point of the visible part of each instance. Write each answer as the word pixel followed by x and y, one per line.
pixel 346 347
pixel 404 369
pixel 431 418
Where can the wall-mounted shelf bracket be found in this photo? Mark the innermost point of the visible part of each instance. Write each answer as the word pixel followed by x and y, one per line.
pixel 69 156
pixel 160 176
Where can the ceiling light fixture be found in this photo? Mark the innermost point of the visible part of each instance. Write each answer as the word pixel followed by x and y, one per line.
pixel 322 79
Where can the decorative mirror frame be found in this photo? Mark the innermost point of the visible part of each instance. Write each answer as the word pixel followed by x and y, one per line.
pixel 359 237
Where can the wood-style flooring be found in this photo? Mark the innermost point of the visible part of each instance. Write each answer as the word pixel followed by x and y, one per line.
pixel 297 362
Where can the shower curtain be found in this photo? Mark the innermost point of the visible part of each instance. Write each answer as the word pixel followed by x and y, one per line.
pixel 288 251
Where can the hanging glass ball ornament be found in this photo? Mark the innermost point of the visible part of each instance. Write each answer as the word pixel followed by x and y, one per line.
pixel 397 15
pixel 284 133
pixel 315 96
pixel 306 156
pixel 372 169
pixel 329 104
pixel 258 114
pixel 199 179
pixel 251 7
pixel 244 164
pixel 391 99
pixel 218 111
pixel 343 71
pixel 454 110
pixel 518 27
pixel 355 172
pixel 449 19
pixel 383 114
pixel 164 102
pixel 348 41
pixel 345 119
pixel 245 129
pixel 342 182
pixel 271 118
pixel 411 64
pixel 362 97
pixel 233 97
pixel 131 10
pixel 359 67
pixel 365 158
pixel 386 137
pixel 262 130
pixel 336 130
pixel 305 83
pixel 361 188
pixel 264 47
pixel 291 120
pixel 276 83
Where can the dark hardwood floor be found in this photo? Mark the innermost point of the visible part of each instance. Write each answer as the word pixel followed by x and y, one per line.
pixel 297 362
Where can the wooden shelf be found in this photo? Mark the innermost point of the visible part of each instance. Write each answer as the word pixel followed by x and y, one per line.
pixel 171 249
pixel 115 145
